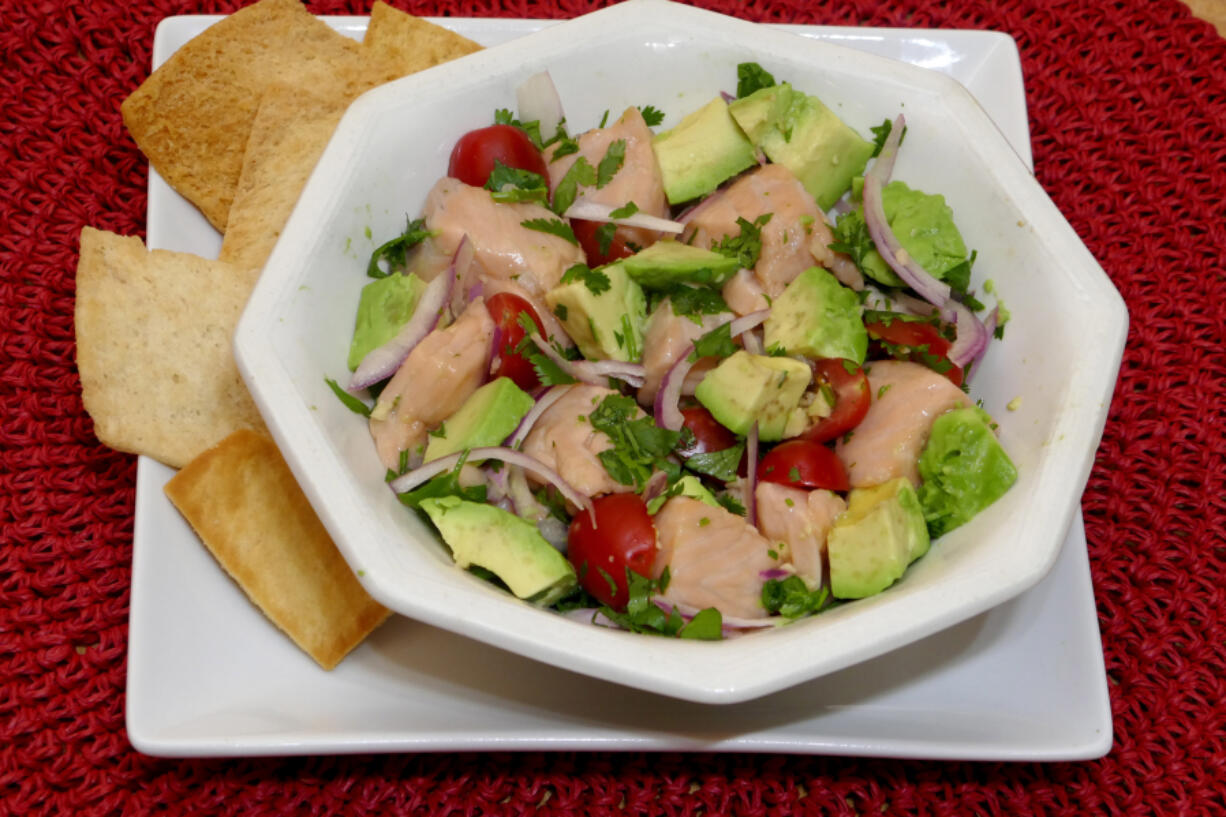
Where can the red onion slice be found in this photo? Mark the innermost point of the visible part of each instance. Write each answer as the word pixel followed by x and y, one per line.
pixel 382 362
pixel 886 243
pixel 593 372
pixel 538 100
pixel 972 336
pixel 542 405
pixel 989 328
pixel 593 211
pixel 467 285
pixel 419 476
pixel 746 322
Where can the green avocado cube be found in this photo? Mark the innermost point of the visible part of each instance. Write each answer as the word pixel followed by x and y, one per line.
pixel 509 547
pixel 385 305
pixel 872 542
pixel 488 417
pixel 817 317
pixel 924 225
pixel 705 149
pixel 762 110
pixel 744 389
pixel 964 469
pixel 669 262
pixel 603 311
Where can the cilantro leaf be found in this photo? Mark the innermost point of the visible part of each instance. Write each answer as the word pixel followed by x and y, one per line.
pixel 580 173
pixel 851 236
pixel 352 403
pixel 604 237
pixel 746 246
pixel 395 253
pixel 880 134
pixel 547 370
pixel 553 226
pixel 651 115
pixel 625 211
pixel 447 484
pixel 503 116
pixel 730 503
pixel 639 445
pixel 596 281
pixel 706 625
pixel 752 77
pixel 511 184
pixel 720 465
pixel 716 343
pixel 566 146
pixel 694 302
pixel 792 598
pixel 612 162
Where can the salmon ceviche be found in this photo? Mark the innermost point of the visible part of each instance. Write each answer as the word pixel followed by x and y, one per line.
pixel 691 381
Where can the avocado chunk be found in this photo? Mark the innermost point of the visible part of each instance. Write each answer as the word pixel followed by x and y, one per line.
pixel 964 469
pixel 385 305
pixel 665 263
pixel 509 547
pixel 689 485
pixel 744 389
pixel 806 137
pixel 816 316
pixel 872 542
pixel 701 152
pixel 604 312
pixel 488 417
pixel 923 224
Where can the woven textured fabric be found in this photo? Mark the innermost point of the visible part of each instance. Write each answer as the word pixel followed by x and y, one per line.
pixel 1127 102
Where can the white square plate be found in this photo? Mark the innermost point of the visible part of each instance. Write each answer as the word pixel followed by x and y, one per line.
pixel 208 675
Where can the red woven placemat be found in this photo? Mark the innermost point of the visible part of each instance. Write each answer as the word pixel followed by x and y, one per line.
pixel 1128 112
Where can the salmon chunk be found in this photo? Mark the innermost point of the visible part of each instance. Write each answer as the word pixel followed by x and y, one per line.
pixel 441 372
pixel 564 440
pixel 800 520
pixel 714 558
pixel 667 336
pixel 504 249
pixel 907 398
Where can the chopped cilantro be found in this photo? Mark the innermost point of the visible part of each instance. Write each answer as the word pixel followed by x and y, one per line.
pixel 625 211
pixel 730 503
pixel 566 146
pixel 747 245
pixel 752 77
pixel 792 598
pixel 440 432
pixel 510 184
pixel 851 236
pixel 604 119
pixel 719 465
pixel 580 173
pixel 691 301
pixel 553 226
pixel 447 484
pixel 395 253
pixel 880 134
pixel 604 237
pixel 612 162
pixel 651 115
pixel 639 445
pixel 706 625
pixel 596 281
pixel 716 343
pixel 502 116
pixel 561 311
pixel 352 403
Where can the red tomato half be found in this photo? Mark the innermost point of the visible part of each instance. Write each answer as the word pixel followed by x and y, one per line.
pixel 709 434
pixel 851 398
pixel 505 309
pixel 472 158
pixel 585 231
pixel 624 538
pixel 908 336
pixel 803 464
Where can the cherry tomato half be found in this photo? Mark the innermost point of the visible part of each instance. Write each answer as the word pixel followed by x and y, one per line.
pixel 505 309
pixel 803 464
pixel 585 231
pixel 624 538
pixel 851 398
pixel 472 158
pixel 908 339
pixel 709 434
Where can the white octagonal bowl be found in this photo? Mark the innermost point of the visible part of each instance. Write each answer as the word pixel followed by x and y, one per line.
pixel 1057 364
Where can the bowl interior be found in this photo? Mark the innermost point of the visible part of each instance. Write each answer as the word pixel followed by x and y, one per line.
pixel 1056 364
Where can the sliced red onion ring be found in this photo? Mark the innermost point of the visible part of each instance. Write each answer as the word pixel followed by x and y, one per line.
pixel 751 475
pixel 593 372
pixel 929 288
pixel 593 211
pixel 419 476
pixel 542 405
pixel 751 342
pixel 989 327
pixel 538 100
pixel 382 362
pixel 972 336
pixel 667 408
